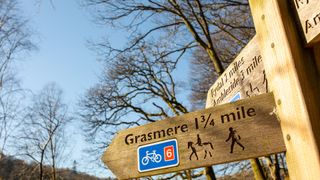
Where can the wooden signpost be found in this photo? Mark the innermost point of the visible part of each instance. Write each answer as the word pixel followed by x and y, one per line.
pixel 225 133
pixel 309 17
pixel 244 77
pixel 276 60
pixel 294 80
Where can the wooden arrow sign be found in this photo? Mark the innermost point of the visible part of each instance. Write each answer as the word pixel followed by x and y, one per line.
pixel 245 77
pixel 309 18
pixel 225 133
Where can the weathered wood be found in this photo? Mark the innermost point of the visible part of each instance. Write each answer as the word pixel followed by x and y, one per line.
pixel 309 18
pixel 316 53
pixel 254 120
pixel 245 76
pixel 292 76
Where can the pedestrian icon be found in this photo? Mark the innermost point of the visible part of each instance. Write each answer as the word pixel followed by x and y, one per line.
pixel 235 138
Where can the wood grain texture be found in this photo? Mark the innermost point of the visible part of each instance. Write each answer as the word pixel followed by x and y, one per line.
pixel 260 135
pixel 309 18
pixel 245 75
pixel 316 53
pixel 247 80
pixel 294 80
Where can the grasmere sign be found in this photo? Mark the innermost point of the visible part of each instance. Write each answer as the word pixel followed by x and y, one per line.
pixel 230 132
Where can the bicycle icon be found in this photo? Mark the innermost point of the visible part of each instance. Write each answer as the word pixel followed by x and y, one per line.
pixel 151 156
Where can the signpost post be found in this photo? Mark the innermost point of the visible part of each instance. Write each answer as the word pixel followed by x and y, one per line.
pixel 225 133
pixel 294 80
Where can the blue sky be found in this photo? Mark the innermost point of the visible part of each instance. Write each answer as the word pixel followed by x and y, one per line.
pixel 61 32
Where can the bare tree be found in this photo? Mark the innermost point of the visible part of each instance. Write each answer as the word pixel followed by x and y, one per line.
pixel 218 28
pixel 14 40
pixel 237 22
pixel 44 127
pixel 135 79
pixel 189 23
pixel 137 88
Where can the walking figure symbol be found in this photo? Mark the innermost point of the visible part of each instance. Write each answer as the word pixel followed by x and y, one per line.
pixel 200 146
pixel 235 138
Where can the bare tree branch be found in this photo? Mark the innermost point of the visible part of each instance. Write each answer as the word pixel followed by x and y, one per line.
pixel 43 128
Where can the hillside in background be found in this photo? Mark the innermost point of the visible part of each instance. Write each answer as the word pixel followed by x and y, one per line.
pixel 11 168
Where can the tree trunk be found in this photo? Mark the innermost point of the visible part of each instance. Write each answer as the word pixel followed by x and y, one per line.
pixel 53 167
pixel 271 167
pixel 257 169
pixel 216 61
pixel 41 172
pixel 277 170
pixel 219 69
pixel 210 173
pixel 41 166
pixel 188 174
